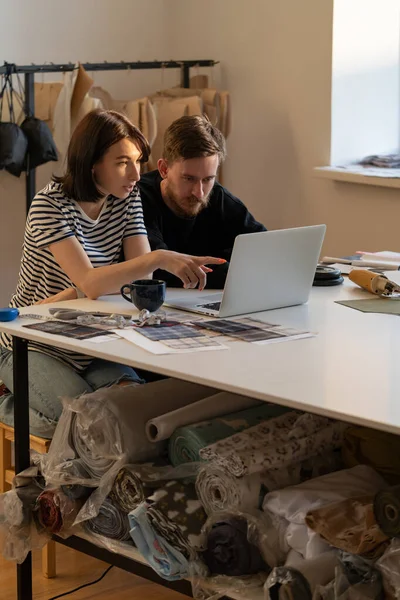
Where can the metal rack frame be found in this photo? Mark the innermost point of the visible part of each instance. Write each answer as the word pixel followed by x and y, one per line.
pixel 29 72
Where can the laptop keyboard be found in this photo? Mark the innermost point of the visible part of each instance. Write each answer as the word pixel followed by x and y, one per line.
pixel 211 305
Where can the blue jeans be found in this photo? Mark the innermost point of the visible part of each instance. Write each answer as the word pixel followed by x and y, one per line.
pixel 49 380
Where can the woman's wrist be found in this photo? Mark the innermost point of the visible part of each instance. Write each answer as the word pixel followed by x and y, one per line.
pixel 156 260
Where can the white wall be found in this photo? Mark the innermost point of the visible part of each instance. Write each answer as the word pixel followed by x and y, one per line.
pixel 276 59
pixel 277 62
pixel 365 79
pixel 60 31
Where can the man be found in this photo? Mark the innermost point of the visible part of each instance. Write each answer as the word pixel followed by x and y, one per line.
pixel 185 209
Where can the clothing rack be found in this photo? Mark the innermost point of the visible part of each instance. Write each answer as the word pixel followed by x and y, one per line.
pixel 30 70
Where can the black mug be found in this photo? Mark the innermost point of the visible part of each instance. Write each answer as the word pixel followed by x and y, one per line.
pixel 146 294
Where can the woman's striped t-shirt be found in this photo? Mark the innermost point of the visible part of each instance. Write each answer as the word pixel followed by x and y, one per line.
pixel 54 217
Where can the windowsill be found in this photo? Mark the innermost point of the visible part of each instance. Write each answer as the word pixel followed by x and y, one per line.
pixel 384 179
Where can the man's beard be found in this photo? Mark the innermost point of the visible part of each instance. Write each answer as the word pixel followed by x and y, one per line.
pixel 189 207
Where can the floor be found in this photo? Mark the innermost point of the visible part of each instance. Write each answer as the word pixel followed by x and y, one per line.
pixel 74 569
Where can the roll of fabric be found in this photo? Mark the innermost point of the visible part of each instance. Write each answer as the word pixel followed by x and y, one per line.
pixel 166 529
pixel 167 562
pixel 289 506
pixel 186 442
pixel 55 511
pixel 276 443
pixel 389 566
pixel 378 449
pixel 17 504
pixel 110 522
pixel 110 423
pixel 298 578
pixel 355 579
pixel 162 427
pixel 387 511
pixel 219 490
pixel 74 470
pixel 229 550
pixel 128 490
pixel 175 513
pixel 350 525
pixel 134 483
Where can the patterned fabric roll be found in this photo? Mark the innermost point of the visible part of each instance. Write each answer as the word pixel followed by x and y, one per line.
pixel 175 512
pixel 186 442
pixel 219 490
pixel 166 529
pixel 110 522
pixel 276 443
pixel 134 483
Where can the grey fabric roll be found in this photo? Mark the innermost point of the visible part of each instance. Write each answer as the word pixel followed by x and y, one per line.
pixel 110 522
pixel 110 423
pixel 162 427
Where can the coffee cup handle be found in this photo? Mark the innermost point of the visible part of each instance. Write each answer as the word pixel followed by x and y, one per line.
pixel 122 290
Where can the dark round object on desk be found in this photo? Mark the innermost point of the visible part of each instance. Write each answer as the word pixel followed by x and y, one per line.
pixel 327 276
pixel 328 282
pixel 324 273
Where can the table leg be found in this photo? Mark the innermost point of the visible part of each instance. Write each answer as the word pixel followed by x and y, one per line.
pixel 21 433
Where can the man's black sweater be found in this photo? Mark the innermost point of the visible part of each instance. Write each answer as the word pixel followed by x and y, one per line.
pixel 211 233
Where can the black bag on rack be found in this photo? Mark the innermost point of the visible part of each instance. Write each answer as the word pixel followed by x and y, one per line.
pixel 13 141
pixel 41 146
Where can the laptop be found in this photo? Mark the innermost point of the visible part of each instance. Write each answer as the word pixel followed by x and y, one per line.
pixel 267 270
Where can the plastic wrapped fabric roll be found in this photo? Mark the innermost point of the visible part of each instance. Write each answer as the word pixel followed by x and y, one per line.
pixel 229 550
pixel 162 427
pixel 389 566
pixel 219 490
pixel 166 529
pixel 350 525
pixel 289 506
pixel 134 483
pixel 276 443
pixel 75 470
pixel 355 579
pixel 299 578
pixel 110 523
pixel 128 490
pixel 175 512
pixel 55 512
pixel 387 511
pixel 109 424
pixel 186 442
pixel 167 561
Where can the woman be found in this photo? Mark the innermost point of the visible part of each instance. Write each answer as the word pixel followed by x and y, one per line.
pixel 76 229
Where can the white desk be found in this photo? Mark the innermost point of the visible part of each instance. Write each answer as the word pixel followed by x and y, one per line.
pixel 348 371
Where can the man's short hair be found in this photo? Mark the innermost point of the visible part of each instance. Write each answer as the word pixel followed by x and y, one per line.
pixel 193 137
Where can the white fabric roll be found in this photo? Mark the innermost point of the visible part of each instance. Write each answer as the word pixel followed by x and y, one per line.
pixel 289 507
pixel 162 427
pixel 318 571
